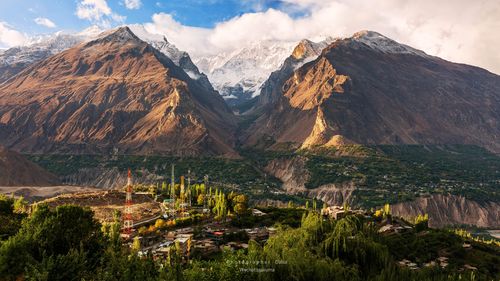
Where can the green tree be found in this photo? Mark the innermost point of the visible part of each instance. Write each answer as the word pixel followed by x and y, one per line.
pixel 71 266
pixel 136 244
pixel 201 199
pixel 421 222
pixel 6 205
pixel 20 205
pixel 241 204
pixel 11 215
pixel 52 233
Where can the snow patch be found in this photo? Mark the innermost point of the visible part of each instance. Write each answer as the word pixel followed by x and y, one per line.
pixel 383 44
pixel 192 75
pixel 40 47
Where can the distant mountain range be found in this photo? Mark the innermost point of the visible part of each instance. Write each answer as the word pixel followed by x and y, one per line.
pixel 129 91
pixel 240 75
pixel 14 60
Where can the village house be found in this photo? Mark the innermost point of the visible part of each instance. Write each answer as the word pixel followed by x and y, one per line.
pixel 258 213
pixel 336 212
pixel 205 247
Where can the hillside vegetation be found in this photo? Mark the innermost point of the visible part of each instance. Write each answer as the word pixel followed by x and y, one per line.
pixel 67 243
pixel 382 174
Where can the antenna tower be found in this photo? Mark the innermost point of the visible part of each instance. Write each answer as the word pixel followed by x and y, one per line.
pixel 127 213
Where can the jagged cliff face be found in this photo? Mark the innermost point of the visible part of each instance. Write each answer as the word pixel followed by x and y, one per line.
pixel 294 175
pixel 303 53
pixel 292 172
pixel 115 93
pixel 15 170
pixel 445 210
pixel 307 88
pixel 369 89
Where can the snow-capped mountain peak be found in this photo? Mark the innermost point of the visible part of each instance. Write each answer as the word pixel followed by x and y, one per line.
pixel 161 43
pixel 383 44
pixel 239 74
pixel 91 32
pixel 41 47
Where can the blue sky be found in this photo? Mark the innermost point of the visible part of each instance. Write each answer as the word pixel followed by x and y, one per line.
pixel 21 14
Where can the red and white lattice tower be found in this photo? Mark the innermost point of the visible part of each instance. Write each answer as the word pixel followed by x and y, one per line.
pixel 127 213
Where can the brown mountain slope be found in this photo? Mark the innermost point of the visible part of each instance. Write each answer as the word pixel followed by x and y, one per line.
pixel 15 170
pixel 9 70
pixel 369 89
pixel 116 93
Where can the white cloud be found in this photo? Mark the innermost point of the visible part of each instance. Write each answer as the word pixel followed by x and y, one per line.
pixel 92 9
pixel 98 12
pixel 457 30
pixel 45 22
pixel 185 37
pixel 132 4
pixel 10 37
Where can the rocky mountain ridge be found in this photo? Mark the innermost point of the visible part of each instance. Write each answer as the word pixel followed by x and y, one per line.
pixel 113 94
pixel 359 91
pixel 446 210
pixel 239 75
pixel 38 48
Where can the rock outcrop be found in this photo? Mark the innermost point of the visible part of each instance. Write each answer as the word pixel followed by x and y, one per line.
pixel 294 175
pixel 445 210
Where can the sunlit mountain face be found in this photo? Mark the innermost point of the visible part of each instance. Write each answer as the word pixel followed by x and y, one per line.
pixel 249 140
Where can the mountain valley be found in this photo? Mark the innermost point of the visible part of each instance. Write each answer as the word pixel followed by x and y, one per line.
pixel 249 140
pixel 128 92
